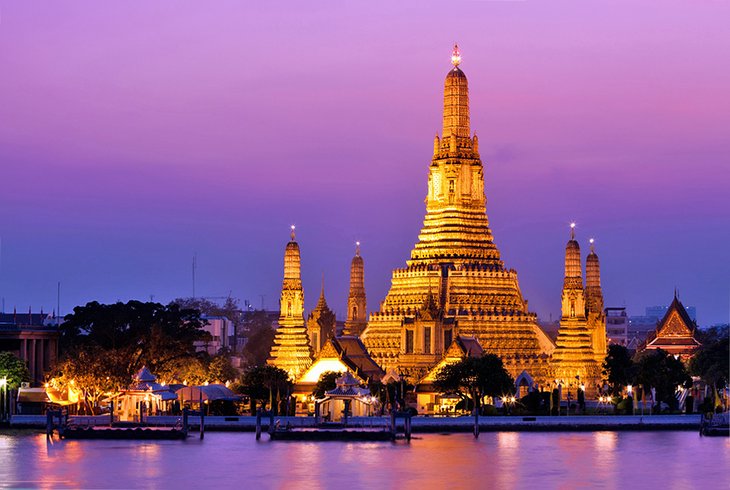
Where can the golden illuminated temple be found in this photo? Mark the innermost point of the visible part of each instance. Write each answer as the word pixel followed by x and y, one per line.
pixel 454 289
pixel 455 282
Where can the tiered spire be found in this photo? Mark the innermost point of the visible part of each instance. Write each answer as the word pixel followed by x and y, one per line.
pixel 321 323
pixel 594 305
pixel 455 257
pixel 574 358
pixel 291 350
pixel 356 301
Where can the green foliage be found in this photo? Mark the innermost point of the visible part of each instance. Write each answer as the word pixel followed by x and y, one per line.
pixel 13 369
pixel 221 370
pixel 475 377
pixel 663 372
pixel 260 335
pixel 618 368
pixel 711 362
pixel 147 334
pixel 326 382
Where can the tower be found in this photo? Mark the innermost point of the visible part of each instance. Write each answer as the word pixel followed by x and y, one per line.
pixel 573 359
pixel 291 350
pixel 455 282
pixel 356 302
pixel 595 316
pixel 321 323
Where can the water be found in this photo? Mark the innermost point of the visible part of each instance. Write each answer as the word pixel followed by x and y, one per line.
pixel 672 460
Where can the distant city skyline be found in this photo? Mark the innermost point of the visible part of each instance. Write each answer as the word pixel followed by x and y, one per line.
pixel 133 138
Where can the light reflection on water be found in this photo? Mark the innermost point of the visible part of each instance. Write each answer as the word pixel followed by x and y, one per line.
pixel 495 460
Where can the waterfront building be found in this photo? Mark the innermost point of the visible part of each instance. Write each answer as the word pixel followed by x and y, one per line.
pixel 356 301
pixel 675 333
pixel 321 323
pixel 291 350
pixel 431 401
pixel 455 282
pixel 574 359
pixel 338 354
pixel 33 338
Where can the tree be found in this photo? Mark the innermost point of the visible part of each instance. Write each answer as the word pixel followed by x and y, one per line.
pixel 260 335
pixel 663 372
pixel 618 368
pixel 92 372
pixel 265 384
pixel 475 378
pixel 13 370
pixel 711 362
pixel 221 370
pixel 144 334
pixel 326 382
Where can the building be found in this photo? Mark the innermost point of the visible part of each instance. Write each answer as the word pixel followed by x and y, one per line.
pixel 339 354
pixel 455 282
pixel 675 333
pixel 321 324
pixel 291 350
pixel 617 326
pixel 220 329
pixel 356 300
pixel 574 359
pixel 33 337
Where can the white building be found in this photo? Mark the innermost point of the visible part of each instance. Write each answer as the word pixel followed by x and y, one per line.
pixel 220 328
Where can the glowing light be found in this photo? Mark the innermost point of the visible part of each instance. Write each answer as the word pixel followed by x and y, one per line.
pixel 591 241
pixel 629 389
pixel 572 225
pixel 455 55
pixel 357 243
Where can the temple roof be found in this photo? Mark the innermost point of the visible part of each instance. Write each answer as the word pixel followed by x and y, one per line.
pixel 675 329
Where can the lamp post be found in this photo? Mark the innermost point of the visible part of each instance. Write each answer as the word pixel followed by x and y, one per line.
pixel 630 390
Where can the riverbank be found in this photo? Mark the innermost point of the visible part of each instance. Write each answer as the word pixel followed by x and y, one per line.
pixel 419 424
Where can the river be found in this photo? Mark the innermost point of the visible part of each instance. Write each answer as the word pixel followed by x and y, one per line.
pixel 532 460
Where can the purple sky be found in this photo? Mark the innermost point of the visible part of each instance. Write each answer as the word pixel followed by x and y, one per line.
pixel 135 134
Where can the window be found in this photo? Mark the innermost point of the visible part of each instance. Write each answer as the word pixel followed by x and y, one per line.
pixel 409 341
pixel 288 309
pixel 427 340
pixel 451 186
pixel 354 312
pixel 448 338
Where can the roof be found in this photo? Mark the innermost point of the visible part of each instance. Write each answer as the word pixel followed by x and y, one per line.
pixel 460 348
pixel 27 319
pixel 456 72
pixel 675 329
pixel 210 392
pixel 32 395
pixel 145 376
pixel 353 353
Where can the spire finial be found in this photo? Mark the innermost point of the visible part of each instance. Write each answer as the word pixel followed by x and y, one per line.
pixel 357 249
pixel 572 231
pixel 293 236
pixel 322 284
pixel 455 55
pixel 592 248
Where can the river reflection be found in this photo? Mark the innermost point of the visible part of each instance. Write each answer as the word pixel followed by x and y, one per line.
pixel 495 460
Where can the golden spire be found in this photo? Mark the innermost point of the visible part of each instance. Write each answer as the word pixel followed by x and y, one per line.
pixel 572 261
pixel 455 55
pixel 456 100
pixel 293 235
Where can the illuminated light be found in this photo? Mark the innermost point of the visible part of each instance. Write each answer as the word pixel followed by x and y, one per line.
pixel 357 243
pixel 73 382
pixel 629 389
pixel 582 387
pixel 3 381
pixel 572 225
pixel 456 55
pixel 205 384
pixel 46 385
pixel 591 241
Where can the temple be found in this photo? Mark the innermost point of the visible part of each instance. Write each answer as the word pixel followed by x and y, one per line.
pixel 675 333
pixel 356 301
pixel 574 359
pixel 291 350
pixel 455 282
pixel 595 314
pixel 320 323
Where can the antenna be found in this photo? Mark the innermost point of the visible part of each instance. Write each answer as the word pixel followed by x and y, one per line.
pixel 58 304
pixel 262 301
